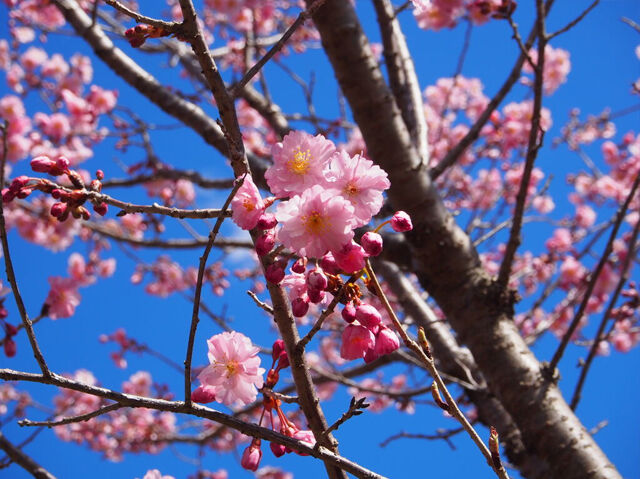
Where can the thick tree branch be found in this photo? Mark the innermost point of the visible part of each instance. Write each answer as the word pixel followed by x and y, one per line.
pixel 27 463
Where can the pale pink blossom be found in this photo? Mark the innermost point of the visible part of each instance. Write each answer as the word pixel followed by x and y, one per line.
pixel 247 206
pixel 63 297
pixel 359 181
pixel 315 222
pixel 234 372
pixel 155 474
pixel 299 163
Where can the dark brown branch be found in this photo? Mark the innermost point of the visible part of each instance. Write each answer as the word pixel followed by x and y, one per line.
pixel 594 277
pixel 23 460
pixel 173 27
pixel 11 276
pixel 253 430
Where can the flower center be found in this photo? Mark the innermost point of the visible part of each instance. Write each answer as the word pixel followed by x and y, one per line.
pixel 248 205
pixel 232 367
pixel 351 189
pixel 300 162
pixel 315 223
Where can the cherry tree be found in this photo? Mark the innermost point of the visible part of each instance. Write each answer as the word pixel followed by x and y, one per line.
pixel 396 242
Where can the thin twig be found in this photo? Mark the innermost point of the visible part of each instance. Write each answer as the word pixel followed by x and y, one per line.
pixel 536 137
pixel 72 419
pixel 444 435
pixel 261 304
pixel 198 291
pixel 631 23
pixel 173 27
pixel 594 277
pixel 11 276
pixel 430 365
pixel 574 22
pixel 626 267
pixel 302 17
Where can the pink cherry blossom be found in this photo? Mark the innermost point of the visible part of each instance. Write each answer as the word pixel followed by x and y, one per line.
pixel 359 181
pixel 299 163
pixel 351 257
pixel 234 372
pixel 155 474
pixel 63 297
pixel 247 206
pixel 315 222
pixel 356 340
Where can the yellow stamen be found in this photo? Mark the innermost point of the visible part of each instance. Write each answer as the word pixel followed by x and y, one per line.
pixel 315 223
pixel 300 162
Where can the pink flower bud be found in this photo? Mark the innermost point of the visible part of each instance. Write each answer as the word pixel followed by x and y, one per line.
pixel 349 313
pixel 372 243
pixel 56 193
pixel 368 316
pixel 267 221
pixel 386 342
pixel 278 450
pixel 277 348
pixel 18 183
pixel 203 395
pixel 370 356
pixel 299 307
pixel 328 264
pixel 306 436
pixel 356 340
pixel 58 209
pixel 299 266
pixel 265 243
pixel 350 258
pixel 401 222
pixel 10 347
pixel 283 361
pixel 316 279
pixel 100 175
pixel 42 164
pixel 251 456
pixel 101 209
pixel 315 295
pixel 7 195
pixel 274 273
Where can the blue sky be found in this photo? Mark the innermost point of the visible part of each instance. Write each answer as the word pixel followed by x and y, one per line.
pixel 603 67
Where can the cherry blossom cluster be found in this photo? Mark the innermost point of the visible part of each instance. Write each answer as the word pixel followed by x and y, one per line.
pixel 576 133
pixel 113 434
pixel 126 343
pixel 72 133
pixel 439 14
pixel 169 277
pixel 556 68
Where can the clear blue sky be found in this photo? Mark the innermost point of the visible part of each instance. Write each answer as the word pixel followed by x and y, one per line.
pixel 603 67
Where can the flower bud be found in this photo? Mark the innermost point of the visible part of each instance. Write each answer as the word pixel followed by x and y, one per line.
pixel 100 175
pixel 7 195
pixel 401 222
pixel 267 221
pixel 274 273
pixel 386 342
pixel 349 313
pixel 58 209
pixel 299 307
pixel 351 258
pixel 10 328
pixel 316 279
pixel 265 243
pixel 299 266
pixel 277 348
pixel 101 209
pixel 328 264
pixel 42 164
pixel 315 295
pixel 368 316
pixel 283 360
pixel 251 456
pixel 203 395
pixel 356 340
pixel 10 347
pixel 372 243
pixel 278 450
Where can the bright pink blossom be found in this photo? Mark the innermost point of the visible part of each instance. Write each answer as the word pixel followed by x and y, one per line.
pixel 359 181
pixel 351 258
pixel 299 163
pixel 315 222
pixel 234 372
pixel 63 297
pixel 251 456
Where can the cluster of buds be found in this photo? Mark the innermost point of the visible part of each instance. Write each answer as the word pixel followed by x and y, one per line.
pixel 70 202
pixel 136 36
pixel 126 344
pixel 252 455
pixel 628 309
